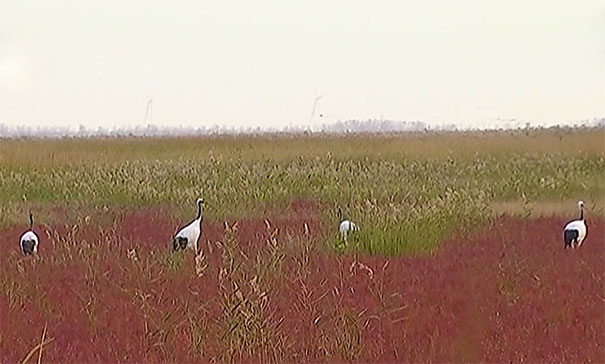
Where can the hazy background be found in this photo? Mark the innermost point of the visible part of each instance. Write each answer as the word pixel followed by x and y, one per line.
pixel 261 63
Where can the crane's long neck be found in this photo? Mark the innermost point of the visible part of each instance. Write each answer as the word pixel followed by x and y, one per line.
pixel 31 221
pixel 199 211
pixel 581 212
pixel 340 217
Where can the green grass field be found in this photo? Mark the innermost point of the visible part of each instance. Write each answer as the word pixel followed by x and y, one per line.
pixel 406 191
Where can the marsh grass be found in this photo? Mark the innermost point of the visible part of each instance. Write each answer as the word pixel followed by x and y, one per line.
pixel 290 147
pixel 283 300
pixel 405 191
pixel 594 207
pixel 248 328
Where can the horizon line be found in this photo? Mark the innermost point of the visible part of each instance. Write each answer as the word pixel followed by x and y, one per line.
pixel 351 126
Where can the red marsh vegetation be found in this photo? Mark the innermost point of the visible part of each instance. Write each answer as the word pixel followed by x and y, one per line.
pixel 267 290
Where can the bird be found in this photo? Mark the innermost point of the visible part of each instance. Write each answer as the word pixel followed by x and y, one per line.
pixel 575 231
pixel 29 240
pixel 188 236
pixel 346 226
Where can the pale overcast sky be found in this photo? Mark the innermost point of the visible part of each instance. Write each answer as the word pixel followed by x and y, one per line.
pixel 262 62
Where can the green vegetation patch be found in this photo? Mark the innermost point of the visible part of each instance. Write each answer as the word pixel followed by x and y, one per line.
pixel 403 201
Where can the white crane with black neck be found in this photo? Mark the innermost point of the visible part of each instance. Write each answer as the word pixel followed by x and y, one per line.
pixel 29 240
pixel 188 237
pixel 346 226
pixel 574 233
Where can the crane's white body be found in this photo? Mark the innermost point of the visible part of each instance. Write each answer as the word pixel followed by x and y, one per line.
pixel 188 237
pixel 577 228
pixel 580 227
pixel 29 240
pixel 346 226
pixel 192 233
